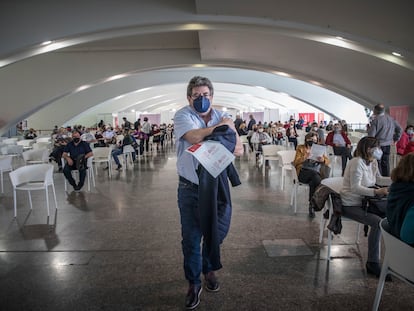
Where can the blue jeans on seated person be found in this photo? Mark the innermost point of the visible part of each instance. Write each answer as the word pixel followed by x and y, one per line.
pixel 358 214
pixel 117 152
pixel 195 261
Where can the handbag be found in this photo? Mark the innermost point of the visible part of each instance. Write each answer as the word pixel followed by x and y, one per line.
pixel 375 205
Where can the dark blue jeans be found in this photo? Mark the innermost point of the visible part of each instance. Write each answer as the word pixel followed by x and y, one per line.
pixel 195 258
pixel 67 171
pixel 384 163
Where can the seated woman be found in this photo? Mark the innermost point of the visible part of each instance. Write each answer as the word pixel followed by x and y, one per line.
pixel 292 134
pixel 360 178
pixel 260 138
pixel 309 170
pixel 400 207
pixel 340 143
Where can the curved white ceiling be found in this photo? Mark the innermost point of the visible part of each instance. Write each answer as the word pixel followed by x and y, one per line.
pixel 140 38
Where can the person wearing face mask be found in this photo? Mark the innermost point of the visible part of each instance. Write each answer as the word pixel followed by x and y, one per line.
pixel 292 134
pixel 320 132
pixel 309 170
pixel 340 143
pixel 260 138
pixel 72 152
pixel 404 140
pixel 361 177
pixel 192 124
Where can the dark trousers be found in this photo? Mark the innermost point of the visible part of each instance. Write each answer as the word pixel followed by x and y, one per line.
pixel 384 163
pixel 310 177
pixel 67 171
pixel 196 260
pixel 293 140
pixel 345 153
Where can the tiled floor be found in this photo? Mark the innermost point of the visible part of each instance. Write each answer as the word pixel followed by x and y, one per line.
pixel 118 248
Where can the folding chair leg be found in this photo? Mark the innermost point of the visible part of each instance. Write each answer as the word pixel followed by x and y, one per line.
pixel 47 201
pixel 15 203
pixel 30 200
pixel 2 186
pixel 54 195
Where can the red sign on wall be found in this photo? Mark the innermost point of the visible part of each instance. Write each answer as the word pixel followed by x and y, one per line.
pixel 400 114
pixel 307 116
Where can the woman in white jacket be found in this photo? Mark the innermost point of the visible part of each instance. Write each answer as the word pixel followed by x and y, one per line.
pixel 360 177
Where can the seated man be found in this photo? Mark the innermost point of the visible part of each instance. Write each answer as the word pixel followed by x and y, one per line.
pixel 260 138
pixel 72 152
pixel 340 143
pixel 128 140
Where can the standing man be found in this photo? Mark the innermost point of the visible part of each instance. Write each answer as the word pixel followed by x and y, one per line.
pixel 250 125
pixel 192 124
pixel 146 128
pixel 127 125
pixel 75 152
pixel 238 122
pixel 384 128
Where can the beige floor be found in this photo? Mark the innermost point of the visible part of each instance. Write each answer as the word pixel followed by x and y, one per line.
pixel 118 248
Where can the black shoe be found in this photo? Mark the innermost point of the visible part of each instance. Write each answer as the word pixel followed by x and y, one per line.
pixel 119 168
pixel 374 268
pixel 60 169
pixel 211 282
pixel 77 188
pixel 311 212
pixel 192 300
pixel 106 168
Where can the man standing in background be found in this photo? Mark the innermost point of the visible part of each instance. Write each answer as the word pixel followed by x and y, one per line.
pixel 384 128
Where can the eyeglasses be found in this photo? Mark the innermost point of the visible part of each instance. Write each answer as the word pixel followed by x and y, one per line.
pixel 195 96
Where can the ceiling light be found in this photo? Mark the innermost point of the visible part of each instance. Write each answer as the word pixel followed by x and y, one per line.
pixel 396 54
pixel 46 42
pixel 83 87
pixel 132 110
pixel 115 77
pixel 339 38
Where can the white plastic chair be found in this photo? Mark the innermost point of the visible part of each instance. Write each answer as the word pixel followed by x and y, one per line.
pixel 127 153
pixel 36 156
pixel 89 173
pixel 398 261
pixel 295 188
pixel 102 155
pixel 26 143
pixel 335 160
pixel 5 166
pixel 246 146
pixel 287 157
pixel 336 184
pixel 30 178
pixel 269 152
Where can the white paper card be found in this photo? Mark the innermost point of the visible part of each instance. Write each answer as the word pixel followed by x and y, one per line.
pixel 212 155
pixel 317 151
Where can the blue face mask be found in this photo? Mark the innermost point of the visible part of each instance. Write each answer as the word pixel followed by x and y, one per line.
pixel 201 104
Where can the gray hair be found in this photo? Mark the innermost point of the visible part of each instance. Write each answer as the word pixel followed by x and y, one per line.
pixel 199 81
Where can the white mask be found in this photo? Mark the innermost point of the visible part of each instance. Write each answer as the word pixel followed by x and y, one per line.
pixel 260 130
pixel 377 154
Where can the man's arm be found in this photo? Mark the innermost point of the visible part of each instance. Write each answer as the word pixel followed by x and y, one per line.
pixel 197 135
pixel 397 131
pixel 68 159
